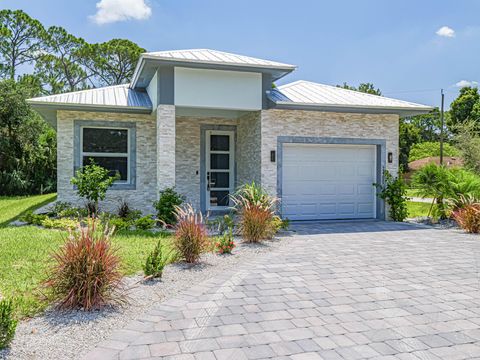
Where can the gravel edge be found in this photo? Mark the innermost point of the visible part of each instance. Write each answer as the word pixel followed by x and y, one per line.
pixel 69 335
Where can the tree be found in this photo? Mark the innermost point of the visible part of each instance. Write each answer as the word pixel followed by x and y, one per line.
pixel 429 125
pixel 466 107
pixel 20 41
pixel 468 141
pixel 112 62
pixel 409 136
pixel 60 67
pixel 367 88
pixel 27 144
pixel 92 183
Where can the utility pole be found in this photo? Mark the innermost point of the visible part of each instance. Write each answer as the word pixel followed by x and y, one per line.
pixel 441 129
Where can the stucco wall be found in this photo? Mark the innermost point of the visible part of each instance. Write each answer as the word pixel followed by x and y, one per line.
pixel 146 170
pixel 276 123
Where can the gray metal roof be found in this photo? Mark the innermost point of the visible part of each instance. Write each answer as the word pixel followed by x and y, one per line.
pixel 119 96
pixel 309 94
pixel 209 56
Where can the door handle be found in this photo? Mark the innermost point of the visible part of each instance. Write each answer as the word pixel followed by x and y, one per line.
pixel 208 180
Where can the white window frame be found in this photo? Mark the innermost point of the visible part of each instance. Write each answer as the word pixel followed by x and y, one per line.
pixel 100 154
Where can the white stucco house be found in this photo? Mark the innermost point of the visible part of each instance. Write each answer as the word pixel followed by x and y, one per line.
pixel 206 122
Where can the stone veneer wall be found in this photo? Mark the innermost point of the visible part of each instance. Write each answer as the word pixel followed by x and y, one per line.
pixel 146 170
pixel 248 148
pixel 276 123
pixel 187 149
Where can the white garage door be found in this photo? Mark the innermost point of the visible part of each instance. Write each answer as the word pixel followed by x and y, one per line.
pixel 328 181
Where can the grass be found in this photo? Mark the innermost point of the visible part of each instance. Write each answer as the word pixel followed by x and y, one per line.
pixel 417 209
pixel 25 253
pixel 11 208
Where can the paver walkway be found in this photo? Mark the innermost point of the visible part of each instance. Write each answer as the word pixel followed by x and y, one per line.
pixel 337 291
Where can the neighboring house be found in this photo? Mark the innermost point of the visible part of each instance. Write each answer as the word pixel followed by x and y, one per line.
pixel 206 122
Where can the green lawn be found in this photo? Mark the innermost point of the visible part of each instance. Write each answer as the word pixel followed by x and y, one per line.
pixel 13 207
pixel 24 253
pixel 417 209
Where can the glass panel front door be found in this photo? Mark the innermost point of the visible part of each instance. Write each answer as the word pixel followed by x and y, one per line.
pixel 219 168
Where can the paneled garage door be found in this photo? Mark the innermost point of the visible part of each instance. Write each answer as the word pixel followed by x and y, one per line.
pixel 328 181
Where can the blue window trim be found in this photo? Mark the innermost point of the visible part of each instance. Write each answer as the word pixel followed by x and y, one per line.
pixel 77 161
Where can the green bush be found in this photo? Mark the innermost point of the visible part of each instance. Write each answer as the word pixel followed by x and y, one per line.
pixel 92 183
pixel 59 207
pixel 64 224
pixel 224 244
pixel 145 223
pixel 119 223
pixel 155 262
pixel 168 201
pixel 8 323
pixel 74 213
pixel 394 191
pixel 431 149
pixel 34 219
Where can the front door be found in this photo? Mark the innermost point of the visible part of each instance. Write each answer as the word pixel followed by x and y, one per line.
pixel 219 168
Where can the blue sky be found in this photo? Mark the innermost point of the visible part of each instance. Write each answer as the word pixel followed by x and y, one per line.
pixel 393 44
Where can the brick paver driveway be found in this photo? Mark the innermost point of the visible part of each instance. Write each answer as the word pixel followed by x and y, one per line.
pixel 336 291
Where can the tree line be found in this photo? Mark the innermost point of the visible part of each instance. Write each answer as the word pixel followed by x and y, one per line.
pixel 37 60
pixel 461 130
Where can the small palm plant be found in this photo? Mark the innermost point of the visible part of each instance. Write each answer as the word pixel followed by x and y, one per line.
pixel 433 181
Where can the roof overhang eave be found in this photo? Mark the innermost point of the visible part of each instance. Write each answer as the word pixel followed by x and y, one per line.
pixel 281 70
pixel 402 111
pixel 88 107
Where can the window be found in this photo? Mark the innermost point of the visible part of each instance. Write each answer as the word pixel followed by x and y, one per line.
pixel 107 147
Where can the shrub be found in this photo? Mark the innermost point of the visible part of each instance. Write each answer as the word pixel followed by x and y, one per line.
pixel 145 223
pixel 64 224
pixel 8 323
pixel 222 223
pixel 190 234
pixel 155 262
pixel 256 211
pixel 224 244
pixel 34 219
pixel 279 224
pixel 59 207
pixel 74 213
pixel 468 218
pixel 124 211
pixel 86 271
pixel 468 141
pixel 430 149
pixel 166 204
pixel 394 192
pixel 118 223
pixel 464 188
pixel 92 183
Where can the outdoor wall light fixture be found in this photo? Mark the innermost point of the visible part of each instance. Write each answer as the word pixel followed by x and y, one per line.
pixel 390 157
pixel 272 155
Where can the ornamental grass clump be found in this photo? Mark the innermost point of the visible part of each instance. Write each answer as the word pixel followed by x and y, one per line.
pixel 256 210
pixel 468 218
pixel 86 271
pixel 190 234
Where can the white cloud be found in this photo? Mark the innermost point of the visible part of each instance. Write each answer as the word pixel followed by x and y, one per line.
pixel 465 83
pixel 446 31
pixel 109 11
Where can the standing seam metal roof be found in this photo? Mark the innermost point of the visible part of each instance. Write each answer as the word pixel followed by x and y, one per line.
pixel 309 93
pixel 216 57
pixel 110 96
